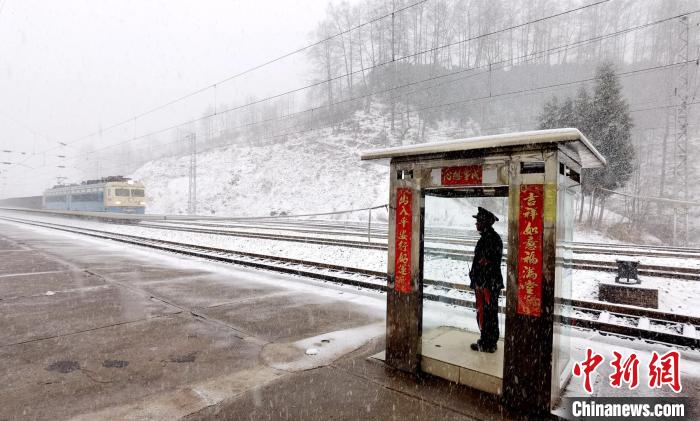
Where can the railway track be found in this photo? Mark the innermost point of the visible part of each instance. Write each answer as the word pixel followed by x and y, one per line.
pixel 326 228
pixel 626 321
pixel 433 234
pixel 451 253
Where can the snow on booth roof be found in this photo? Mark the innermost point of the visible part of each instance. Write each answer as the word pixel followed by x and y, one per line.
pixel 590 157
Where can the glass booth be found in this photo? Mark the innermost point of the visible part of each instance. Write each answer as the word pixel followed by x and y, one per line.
pixel 531 180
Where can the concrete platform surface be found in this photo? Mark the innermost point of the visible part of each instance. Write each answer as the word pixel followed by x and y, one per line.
pixel 93 329
pixel 446 354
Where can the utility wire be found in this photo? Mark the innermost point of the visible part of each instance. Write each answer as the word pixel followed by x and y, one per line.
pixel 476 37
pixel 444 132
pixel 453 104
pixel 684 203
pixel 493 129
pixel 247 71
pixel 531 55
pixel 365 69
pixel 249 218
pixel 530 124
pixel 24 125
pixel 485 97
pixel 309 130
pixel 426 108
pixel 526 57
pixel 409 56
pixel 556 85
pixel 503 62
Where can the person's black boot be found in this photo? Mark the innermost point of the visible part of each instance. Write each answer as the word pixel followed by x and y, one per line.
pixel 483 348
pixel 490 349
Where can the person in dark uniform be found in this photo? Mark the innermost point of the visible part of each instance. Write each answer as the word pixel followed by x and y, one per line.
pixel 486 280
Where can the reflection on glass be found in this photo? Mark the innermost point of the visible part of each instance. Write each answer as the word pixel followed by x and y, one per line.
pixel 561 364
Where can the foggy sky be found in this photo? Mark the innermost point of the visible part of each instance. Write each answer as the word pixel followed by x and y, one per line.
pixel 69 68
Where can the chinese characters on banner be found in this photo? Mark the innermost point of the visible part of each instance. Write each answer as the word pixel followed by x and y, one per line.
pixel 530 250
pixel 402 264
pixel 467 175
pixel 662 370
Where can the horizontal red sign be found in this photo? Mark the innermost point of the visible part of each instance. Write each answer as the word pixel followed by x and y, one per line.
pixel 468 175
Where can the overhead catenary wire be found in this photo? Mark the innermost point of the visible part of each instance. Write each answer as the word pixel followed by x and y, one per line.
pixel 24 126
pixel 399 87
pixel 306 215
pixel 431 50
pixel 562 84
pixel 349 74
pixel 627 73
pixel 530 55
pixel 431 107
pixel 333 124
pixel 524 57
pixel 408 56
pixel 684 203
pixel 242 73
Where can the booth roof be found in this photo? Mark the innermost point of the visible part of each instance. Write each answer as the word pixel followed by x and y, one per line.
pixel 590 157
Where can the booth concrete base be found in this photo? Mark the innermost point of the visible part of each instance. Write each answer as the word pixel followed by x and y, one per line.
pixel 446 354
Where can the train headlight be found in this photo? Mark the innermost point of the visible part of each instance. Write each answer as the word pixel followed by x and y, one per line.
pixel 142 203
pixel 118 202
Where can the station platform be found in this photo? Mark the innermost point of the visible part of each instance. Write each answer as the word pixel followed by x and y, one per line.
pixel 98 330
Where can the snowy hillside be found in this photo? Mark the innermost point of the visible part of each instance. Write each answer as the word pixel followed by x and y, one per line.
pixel 315 172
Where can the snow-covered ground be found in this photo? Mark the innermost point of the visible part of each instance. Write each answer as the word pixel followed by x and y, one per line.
pixel 675 295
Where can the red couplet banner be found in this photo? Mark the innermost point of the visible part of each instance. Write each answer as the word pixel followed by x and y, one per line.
pixel 530 249
pixel 468 175
pixel 402 264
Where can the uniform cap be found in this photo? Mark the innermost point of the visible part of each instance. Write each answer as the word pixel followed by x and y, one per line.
pixel 485 215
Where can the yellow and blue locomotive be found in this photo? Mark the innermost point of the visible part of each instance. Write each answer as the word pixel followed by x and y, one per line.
pixel 109 194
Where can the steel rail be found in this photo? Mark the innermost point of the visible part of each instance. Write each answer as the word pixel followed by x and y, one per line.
pixel 582 264
pixel 674 272
pixel 380 233
pixel 361 231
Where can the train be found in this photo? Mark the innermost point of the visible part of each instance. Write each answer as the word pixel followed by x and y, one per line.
pixel 110 194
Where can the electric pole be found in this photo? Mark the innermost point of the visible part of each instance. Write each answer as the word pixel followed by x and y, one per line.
pixel 192 200
pixel 393 65
pixel 61 178
pixel 680 168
